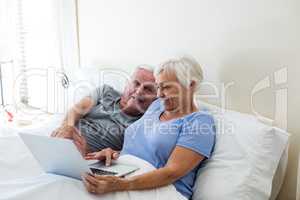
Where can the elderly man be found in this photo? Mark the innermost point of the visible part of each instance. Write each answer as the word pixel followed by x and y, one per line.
pixel 99 120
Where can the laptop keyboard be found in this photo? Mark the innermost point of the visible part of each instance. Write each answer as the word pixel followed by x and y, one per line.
pixel 102 172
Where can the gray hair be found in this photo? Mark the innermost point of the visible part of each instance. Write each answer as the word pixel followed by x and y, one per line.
pixel 146 67
pixel 186 69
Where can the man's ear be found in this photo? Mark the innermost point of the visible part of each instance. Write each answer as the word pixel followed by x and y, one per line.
pixel 193 85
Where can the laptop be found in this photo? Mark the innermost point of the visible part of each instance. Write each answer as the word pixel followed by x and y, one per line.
pixel 61 157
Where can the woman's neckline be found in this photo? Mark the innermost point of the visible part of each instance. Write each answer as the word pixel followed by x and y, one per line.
pixel 175 119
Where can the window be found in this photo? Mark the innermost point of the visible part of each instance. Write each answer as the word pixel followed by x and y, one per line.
pixel 37 49
pixel 41 39
pixel 6 52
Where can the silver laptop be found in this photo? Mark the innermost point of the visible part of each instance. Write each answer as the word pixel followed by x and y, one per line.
pixel 60 156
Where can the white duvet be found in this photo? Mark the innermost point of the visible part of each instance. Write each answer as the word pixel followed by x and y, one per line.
pixel 21 178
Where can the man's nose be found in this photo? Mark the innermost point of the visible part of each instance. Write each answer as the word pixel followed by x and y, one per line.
pixel 139 90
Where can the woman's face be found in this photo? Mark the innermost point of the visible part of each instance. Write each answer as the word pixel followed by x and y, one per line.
pixel 171 92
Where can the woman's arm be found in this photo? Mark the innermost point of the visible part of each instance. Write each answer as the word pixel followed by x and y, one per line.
pixel 180 163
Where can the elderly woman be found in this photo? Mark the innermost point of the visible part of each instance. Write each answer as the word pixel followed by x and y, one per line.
pixel 173 135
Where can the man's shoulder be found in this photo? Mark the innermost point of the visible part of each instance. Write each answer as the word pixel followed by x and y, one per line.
pixel 104 93
pixel 109 90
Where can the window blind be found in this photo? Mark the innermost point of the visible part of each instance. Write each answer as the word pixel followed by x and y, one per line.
pixel 38 50
pixel 42 39
pixel 21 48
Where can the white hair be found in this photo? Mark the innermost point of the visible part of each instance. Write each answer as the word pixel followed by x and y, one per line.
pixel 186 69
pixel 146 67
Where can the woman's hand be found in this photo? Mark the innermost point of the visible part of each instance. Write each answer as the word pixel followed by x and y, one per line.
pixel 180 163
pixel 106 154
pixel 101 184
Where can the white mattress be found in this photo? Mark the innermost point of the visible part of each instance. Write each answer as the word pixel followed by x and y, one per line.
pixel 21 178
pixel 12 168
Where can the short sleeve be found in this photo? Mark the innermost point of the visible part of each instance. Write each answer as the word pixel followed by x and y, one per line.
pixel 198 134
pixel 96 94
pixel 99 93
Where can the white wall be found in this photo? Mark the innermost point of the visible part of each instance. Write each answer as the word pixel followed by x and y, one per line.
pixel 235 40
pixel 298 183
pixel 126 33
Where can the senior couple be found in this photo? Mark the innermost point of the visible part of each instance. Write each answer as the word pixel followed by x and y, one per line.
pixel 154 119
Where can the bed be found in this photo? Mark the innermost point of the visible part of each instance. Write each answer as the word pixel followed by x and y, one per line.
pixel 22 178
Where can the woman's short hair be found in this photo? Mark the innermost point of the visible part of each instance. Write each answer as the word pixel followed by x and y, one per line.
pixel 186 69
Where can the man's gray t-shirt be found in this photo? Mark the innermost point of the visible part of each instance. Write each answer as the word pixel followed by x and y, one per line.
pixel 104 126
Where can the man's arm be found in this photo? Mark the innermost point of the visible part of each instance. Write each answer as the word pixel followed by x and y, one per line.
pixel 68 130
pixel 78 111
pixel 73 116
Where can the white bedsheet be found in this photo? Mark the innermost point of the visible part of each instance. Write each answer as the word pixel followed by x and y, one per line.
pixel 21 178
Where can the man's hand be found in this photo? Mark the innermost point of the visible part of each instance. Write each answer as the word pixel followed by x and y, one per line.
pixel 65 131
pixel 72 133
pixel 80 143
pixel 106 154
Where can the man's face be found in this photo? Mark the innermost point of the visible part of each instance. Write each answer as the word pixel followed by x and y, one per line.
pixel 140 92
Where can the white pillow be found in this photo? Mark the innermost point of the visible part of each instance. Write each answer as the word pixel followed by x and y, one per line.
pixel 245 158
pixel 84 80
